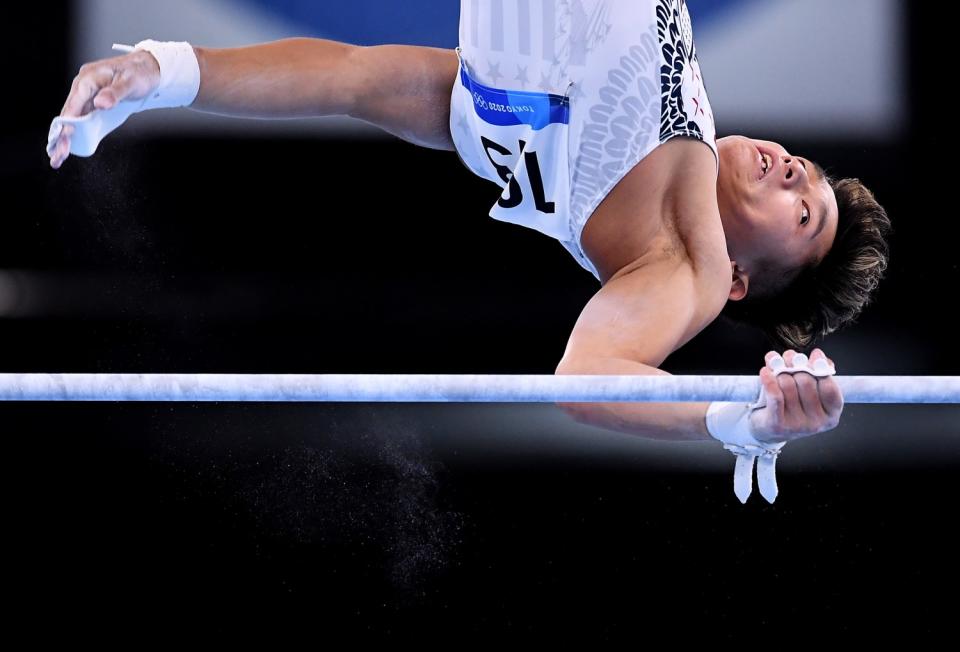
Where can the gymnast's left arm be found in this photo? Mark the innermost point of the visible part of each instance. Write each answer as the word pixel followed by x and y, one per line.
pixel 402 89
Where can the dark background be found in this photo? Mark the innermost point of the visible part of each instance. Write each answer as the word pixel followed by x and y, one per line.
pixel 373 256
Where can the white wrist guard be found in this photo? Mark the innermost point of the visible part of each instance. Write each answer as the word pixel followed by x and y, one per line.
pixel 179 85
pixel 179 74
pixel 730 423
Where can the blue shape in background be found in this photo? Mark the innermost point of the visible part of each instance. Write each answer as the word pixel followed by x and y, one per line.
pixel 703 12
pixel 412 22
pixel 372 22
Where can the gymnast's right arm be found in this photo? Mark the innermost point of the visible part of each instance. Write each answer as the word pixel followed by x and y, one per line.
pixel 402 89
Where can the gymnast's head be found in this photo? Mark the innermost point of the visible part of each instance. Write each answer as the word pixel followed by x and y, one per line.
pixel 807 250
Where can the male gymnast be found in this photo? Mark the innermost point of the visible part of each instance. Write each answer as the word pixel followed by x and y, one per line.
pixel 593 117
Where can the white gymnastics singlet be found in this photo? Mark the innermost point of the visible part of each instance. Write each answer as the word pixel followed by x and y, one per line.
pixel 558 99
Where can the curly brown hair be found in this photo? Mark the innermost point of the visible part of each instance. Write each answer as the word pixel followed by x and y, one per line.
pixel 796 308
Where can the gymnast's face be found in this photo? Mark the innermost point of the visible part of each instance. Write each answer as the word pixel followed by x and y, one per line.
pixel 786 212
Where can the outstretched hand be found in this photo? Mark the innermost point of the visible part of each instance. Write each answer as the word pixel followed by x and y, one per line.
pixel 797 404
pixel 101 85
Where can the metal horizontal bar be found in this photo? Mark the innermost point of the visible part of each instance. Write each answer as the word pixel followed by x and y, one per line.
pixel 447 388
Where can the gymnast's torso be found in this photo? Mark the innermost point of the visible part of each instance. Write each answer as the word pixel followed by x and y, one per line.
pixel 593 117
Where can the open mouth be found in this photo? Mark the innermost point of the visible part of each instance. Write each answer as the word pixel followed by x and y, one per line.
pixel 764 162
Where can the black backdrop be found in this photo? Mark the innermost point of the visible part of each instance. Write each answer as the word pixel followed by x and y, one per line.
pixel 313 255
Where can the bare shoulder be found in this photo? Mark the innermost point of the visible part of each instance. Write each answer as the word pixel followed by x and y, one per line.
pixel 645 312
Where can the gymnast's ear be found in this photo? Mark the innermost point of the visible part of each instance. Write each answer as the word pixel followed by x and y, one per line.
pixel 739 283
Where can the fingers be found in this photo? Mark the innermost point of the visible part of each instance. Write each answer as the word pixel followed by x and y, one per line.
pixel 832 399
pixel 799 390
pixel 789 355
pixel 774 393
pixel 91 78
pixel 89 83
pixel 806 388
pixel 61 148
pixel 810 403
pixel 816 354
pixel 774 360
pixel 119 88
pixel 792 405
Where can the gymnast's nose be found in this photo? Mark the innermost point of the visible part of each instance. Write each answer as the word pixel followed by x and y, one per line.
pixel 792 170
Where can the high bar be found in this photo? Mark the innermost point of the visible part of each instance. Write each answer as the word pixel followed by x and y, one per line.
pixel 444 388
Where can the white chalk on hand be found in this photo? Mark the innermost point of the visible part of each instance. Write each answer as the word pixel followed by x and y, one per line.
pixel 179 85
